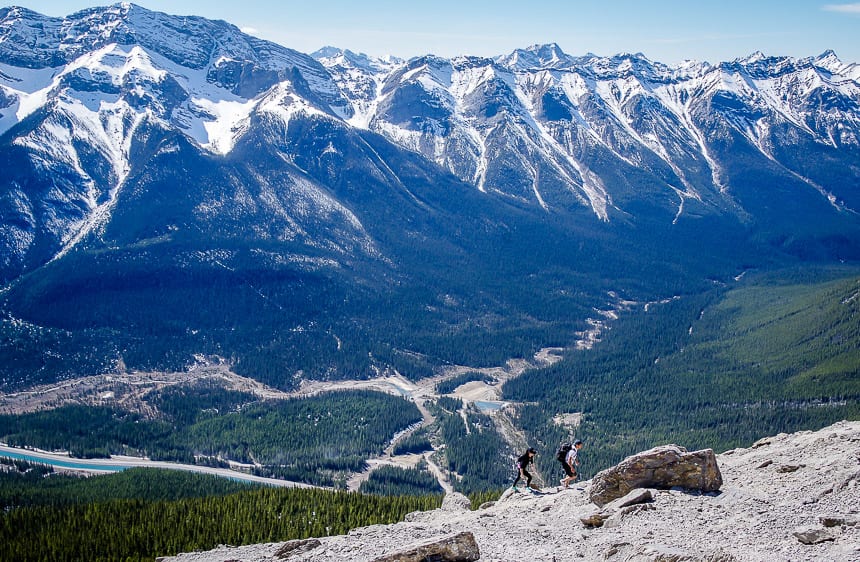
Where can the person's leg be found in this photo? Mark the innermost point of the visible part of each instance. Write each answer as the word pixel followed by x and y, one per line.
pixel 519 475
pixel 568 475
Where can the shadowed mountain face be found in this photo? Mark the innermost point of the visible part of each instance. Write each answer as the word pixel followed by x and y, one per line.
pixel 173 187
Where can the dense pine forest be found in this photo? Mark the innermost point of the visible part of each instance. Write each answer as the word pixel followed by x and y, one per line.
pixel 143 513
pixel 474 448
pixel 396 481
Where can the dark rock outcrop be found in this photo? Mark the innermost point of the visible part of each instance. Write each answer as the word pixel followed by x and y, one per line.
pixel 662 467
pixel 301 546
pixel 815 535
pixel 458 548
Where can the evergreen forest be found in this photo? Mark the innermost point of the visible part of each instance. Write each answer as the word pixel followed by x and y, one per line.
pixel 140 514
pixel 766 353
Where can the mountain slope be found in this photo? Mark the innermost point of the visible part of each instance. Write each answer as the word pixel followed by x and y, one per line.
pixel 769 493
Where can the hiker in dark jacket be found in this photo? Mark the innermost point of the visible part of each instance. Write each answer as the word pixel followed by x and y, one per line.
pixel 521 466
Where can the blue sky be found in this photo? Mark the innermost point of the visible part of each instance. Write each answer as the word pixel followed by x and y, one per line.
pixel 668 31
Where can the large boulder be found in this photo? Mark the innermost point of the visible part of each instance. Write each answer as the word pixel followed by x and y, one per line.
pixel 458 548
pixel 662 467
pixel 455 501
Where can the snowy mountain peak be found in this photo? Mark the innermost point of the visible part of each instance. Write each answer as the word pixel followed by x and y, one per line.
pixel 547 55
pixel 828 59
pixel 753 58
pixel 344 58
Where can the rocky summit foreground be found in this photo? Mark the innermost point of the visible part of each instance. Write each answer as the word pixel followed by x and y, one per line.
pixel 786 498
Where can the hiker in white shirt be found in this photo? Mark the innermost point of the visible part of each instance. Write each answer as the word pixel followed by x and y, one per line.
pixel 571 461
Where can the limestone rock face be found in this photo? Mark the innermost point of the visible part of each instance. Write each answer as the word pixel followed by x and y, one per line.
pixel 662 467
pixel 815 535
pixel 295 547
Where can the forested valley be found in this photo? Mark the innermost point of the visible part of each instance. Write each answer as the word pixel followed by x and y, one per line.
pixel 318 440
pixel 768 353
pixel 773 353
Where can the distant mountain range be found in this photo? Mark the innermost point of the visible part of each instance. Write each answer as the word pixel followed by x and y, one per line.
pixel 171 186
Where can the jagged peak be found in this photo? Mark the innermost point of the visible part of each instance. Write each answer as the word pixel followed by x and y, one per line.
pixel 471 61
pixel 329 55
pixel 19 12
pixel 537 56
pixel 753 58
pixel 543 49
pixel 760 66
pixel 828 55
pixel 329 52
pixel 829 61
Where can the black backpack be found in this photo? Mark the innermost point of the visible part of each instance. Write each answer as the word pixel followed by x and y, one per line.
pixel 563 451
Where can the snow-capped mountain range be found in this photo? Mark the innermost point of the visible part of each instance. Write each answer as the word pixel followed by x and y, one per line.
pixel 139 138
pixel 542 126
pixel 537 126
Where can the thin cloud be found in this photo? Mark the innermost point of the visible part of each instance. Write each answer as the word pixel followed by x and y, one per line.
pixel 250 30
pixel 843 8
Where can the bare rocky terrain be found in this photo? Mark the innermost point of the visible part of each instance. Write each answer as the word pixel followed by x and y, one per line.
pixel 786 498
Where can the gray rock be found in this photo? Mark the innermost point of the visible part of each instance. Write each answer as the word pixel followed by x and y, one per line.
pixel 291 548
pixel 596 519
pixel 458 548
pixel 621 505
pixel 662 553
pixel 815 535
pixel 661 467
pixel 850 520
pixel 634 497
pixel 456 501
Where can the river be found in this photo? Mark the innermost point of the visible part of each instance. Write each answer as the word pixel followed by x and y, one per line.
pixel 117 464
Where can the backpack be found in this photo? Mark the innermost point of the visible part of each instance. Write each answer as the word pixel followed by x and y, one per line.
pixel 562 452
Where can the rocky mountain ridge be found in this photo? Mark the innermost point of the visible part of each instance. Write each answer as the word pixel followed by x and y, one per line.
pixel 545 128
pixel 785 498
